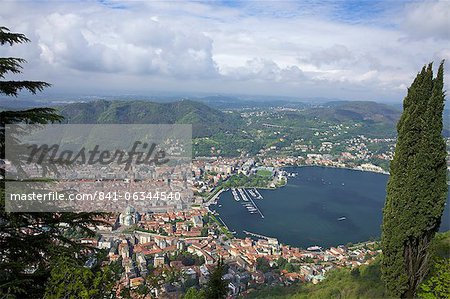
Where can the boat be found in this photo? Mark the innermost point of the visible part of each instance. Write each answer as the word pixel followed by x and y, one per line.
pixel 314 248
pixel 258 195
pixel 342 218
pixel 244 197
pixel 235 195
pixel 252 193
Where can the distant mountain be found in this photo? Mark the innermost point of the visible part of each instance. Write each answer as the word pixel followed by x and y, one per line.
pixel 369 112
pixel 16 104
pixel 207 116
pixel 226 102
pixel 206 121
pixel 358 111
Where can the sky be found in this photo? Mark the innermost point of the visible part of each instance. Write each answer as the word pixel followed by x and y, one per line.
pixel 352 50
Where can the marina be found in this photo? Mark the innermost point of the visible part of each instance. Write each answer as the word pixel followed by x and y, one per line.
pixel 247 197
pixel 254 209
pixel 242 193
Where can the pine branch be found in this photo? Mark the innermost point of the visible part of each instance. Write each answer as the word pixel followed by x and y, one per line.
pixel 6 37
pixel 11 65
pixel 31 116
pixel 12 88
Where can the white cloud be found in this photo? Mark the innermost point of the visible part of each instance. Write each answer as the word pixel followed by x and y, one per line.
pixel 331 55
pixel 264 70
pixel 142 46
pixel 429 19
pixel 277 48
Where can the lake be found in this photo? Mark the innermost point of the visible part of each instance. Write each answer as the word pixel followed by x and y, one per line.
pixel 306 211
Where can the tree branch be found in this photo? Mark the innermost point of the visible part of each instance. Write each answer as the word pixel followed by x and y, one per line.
pixel 11 65
pixel 12 88
pixel 6 37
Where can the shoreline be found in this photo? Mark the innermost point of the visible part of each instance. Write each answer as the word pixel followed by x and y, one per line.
pixel 337 167
pixel 216 197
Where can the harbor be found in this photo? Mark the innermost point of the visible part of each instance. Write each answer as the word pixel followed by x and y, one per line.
pixel 306 212
pixel 248 197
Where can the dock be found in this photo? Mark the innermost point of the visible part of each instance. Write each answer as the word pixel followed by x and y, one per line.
pixel 215 197
pixel 254 204
pixel 259 236
pixel 223 222
pixel 243 195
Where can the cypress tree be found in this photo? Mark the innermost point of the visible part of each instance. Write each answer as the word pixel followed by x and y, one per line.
pixel 417 187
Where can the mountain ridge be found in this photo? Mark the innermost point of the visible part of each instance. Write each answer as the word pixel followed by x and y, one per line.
pixel 206 121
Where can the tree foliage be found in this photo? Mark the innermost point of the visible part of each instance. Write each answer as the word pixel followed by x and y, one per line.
pixel 262 264
pixel 29 242
pixel 194 293
pixel 13 65
pixel 7 37
pixel 217 287
pixel 70 279
pixel 417 187
pixel 438 285
pixel 344 283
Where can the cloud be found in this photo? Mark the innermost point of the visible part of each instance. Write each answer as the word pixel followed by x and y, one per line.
pixel 331 55
pixel 286 48
pixel 429 19
pixel 133 46
pixel 264 70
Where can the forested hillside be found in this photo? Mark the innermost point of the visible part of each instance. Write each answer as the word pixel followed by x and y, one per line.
pixel 205 121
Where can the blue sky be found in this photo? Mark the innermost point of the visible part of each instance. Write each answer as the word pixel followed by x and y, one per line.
pixel 351 11
pixel 357 50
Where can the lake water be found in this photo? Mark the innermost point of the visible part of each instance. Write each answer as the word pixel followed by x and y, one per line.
pixel 306 211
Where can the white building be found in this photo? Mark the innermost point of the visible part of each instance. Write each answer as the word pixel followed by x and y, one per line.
pixel 129 217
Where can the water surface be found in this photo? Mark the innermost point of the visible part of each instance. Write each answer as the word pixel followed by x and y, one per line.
pixel 306 211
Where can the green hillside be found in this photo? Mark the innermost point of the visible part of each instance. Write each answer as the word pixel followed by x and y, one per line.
pixel 359 111
pixel 248 130
pixel 206 121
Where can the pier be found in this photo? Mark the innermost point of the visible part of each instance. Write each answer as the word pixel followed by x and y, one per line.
pixel 259 236
pixel 235 195
pixel 243 195
pixel 214 198
pixel 220 219
pixel 254 204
